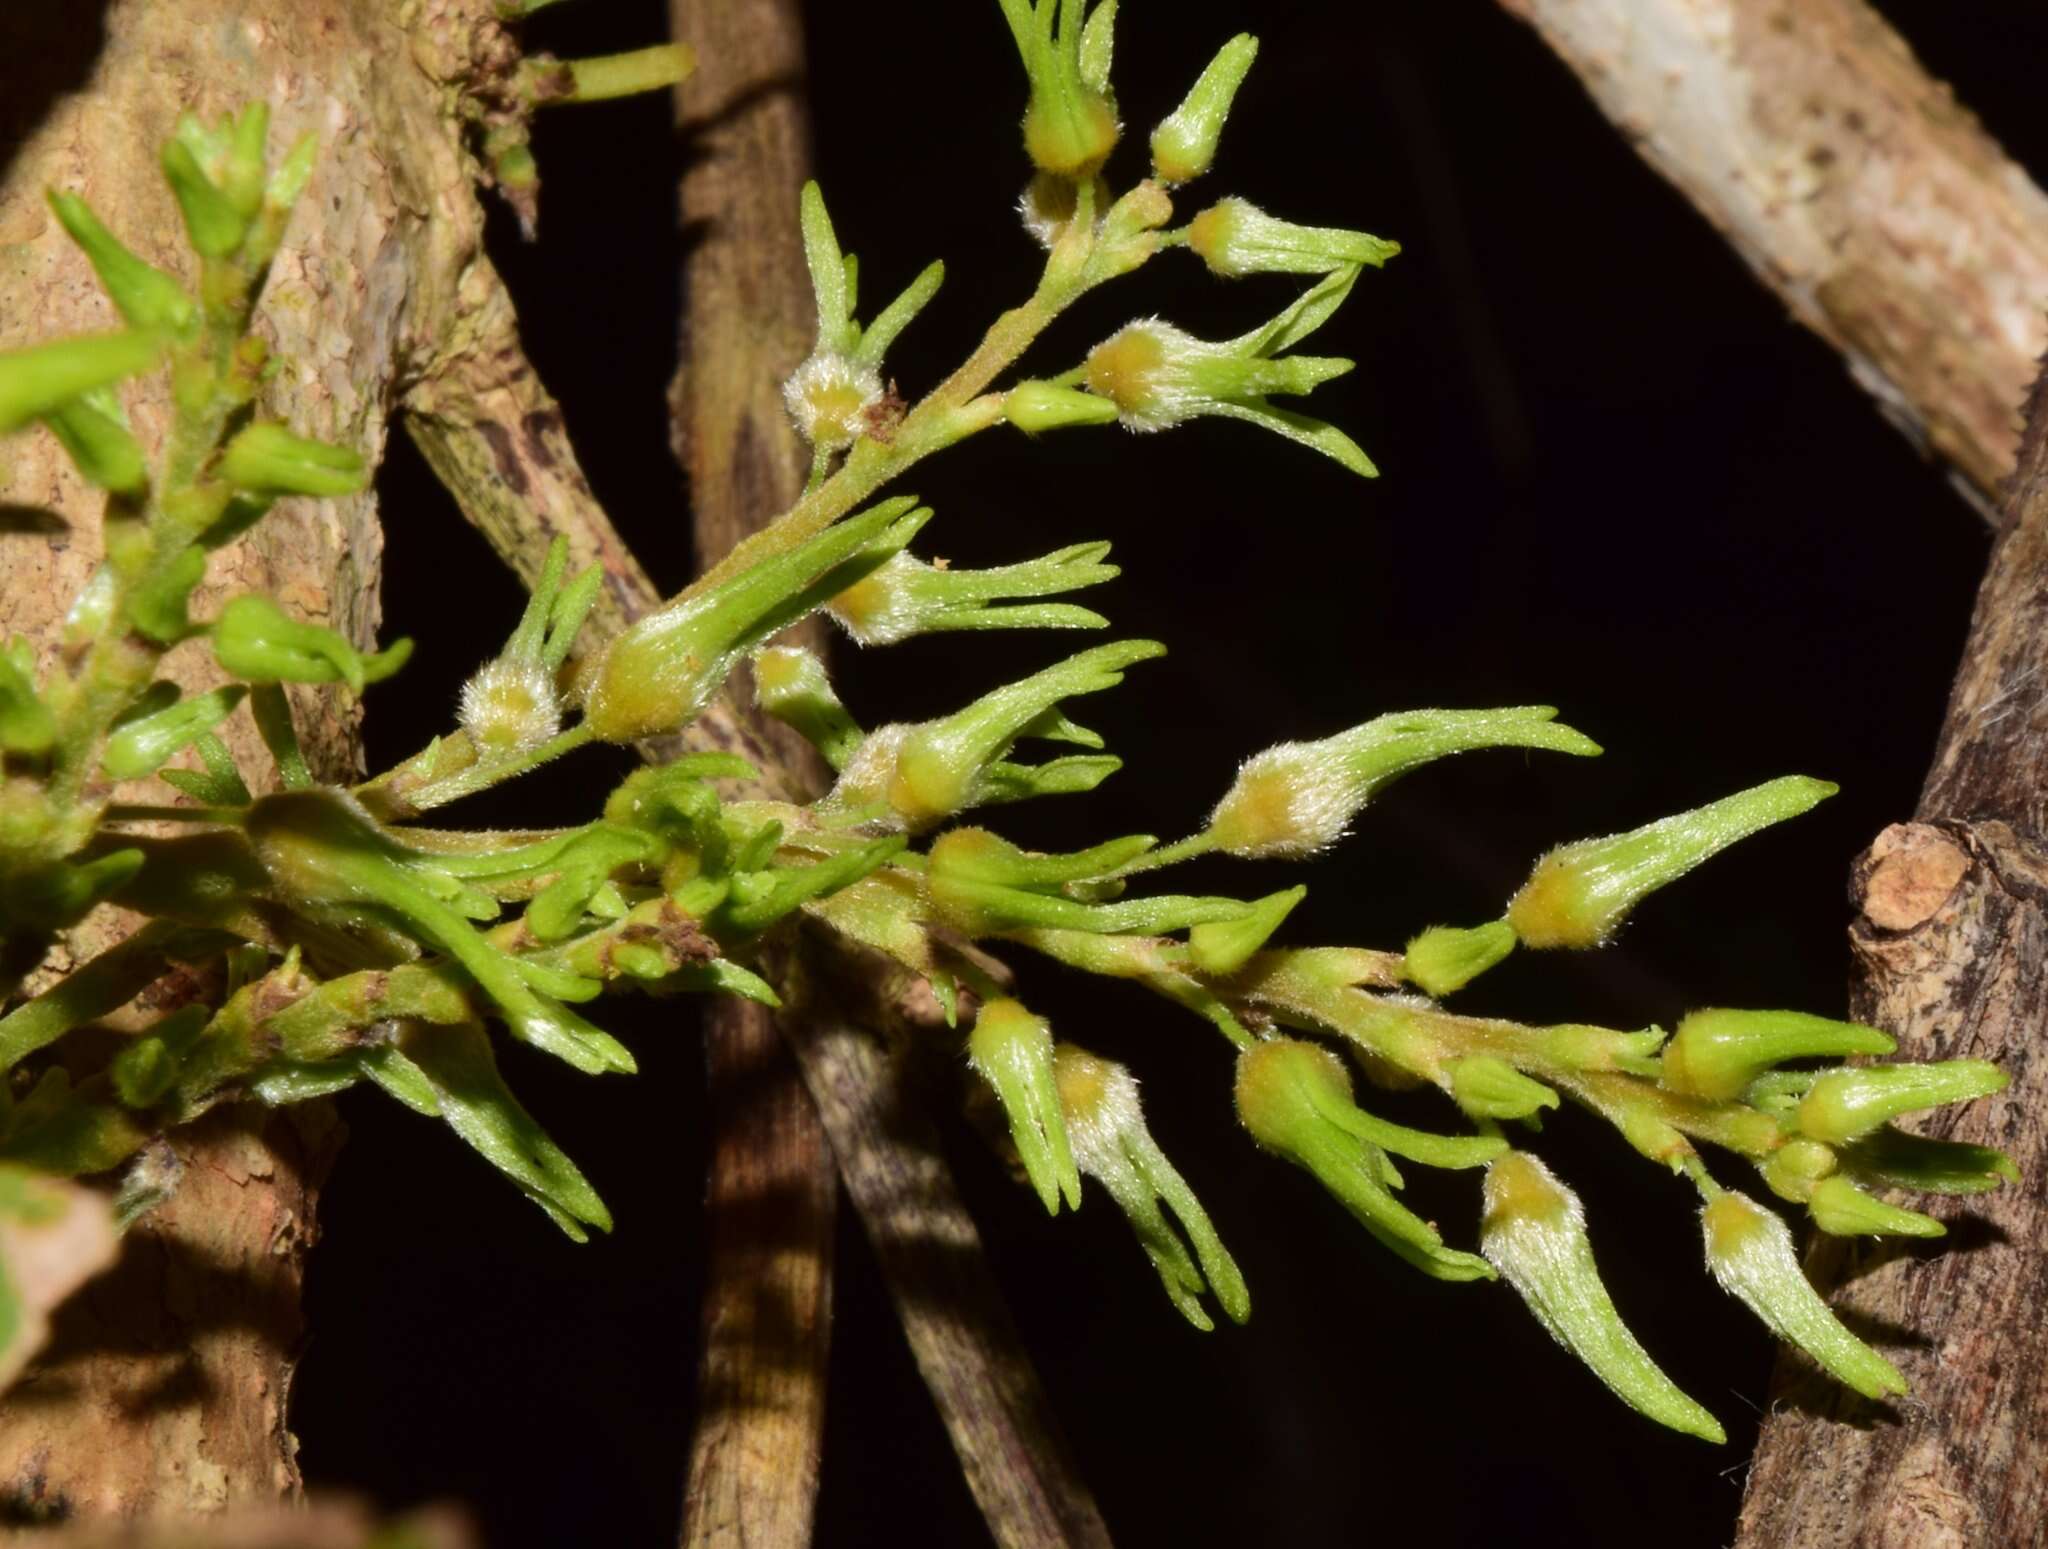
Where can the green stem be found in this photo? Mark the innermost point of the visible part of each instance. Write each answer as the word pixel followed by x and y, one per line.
pixel 951 412
pixel 624 75
pixel 389 796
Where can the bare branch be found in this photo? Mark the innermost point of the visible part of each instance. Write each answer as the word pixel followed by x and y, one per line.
pixel 1854 185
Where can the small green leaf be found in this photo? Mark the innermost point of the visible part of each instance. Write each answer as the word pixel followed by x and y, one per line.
pixel 39 381
pixel 479 1107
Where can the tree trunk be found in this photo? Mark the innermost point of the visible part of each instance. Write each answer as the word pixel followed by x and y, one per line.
pixel 165 1388
pixel 1852 183
pixel 1951 952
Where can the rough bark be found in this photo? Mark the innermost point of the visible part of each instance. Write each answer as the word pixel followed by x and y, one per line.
pixel 1951 954
pixel 770 1198
pixel 1852 183
pixel 166 1388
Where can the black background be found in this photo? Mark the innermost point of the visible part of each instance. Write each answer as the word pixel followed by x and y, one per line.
pixel 1615 478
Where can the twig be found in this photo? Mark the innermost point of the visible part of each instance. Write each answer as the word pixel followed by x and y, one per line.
pixel 1855 186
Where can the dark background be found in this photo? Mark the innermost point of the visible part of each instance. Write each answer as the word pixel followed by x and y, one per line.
pixel 1615 478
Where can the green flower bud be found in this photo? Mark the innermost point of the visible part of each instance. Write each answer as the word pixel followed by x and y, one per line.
pixel 1070 124
pixel 255 641
pixel 268 459
pixel 1891 1158
pixel 1534 1233
pixel 1220 947
pixel 1796 1167
pixel 1036 407
pixel 1485 1086
pixel 1184 144
pixel 1845 1105
pixel 1579 895
pixel 907 597
pixel 1299 797
pixel 1235 238
pixel 1158 376
pixel 1011 1050
pixel 790 684
pixel 1443 958
pixel 659 674
pixel 143 745
pixel 40 381
pixel 928 772
pixel 1295 1100
pixel 145 296
pixel 1105 1126
pixel 1715 1054
pixel 1750 1252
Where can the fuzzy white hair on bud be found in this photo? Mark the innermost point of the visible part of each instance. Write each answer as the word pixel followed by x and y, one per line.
pixel 1287 802
pixel 827 397
pixel 865 780
pixel 1144 368
pixel 1048 203
pixel 1750 1251
pixel 881 608
pixel 510 705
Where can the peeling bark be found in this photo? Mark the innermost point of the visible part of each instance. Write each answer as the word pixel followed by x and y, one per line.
pixel 1951 957
pixel 1852 183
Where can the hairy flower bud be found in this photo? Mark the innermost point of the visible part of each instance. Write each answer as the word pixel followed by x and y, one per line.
pixel 659 674
pixel 1750 1251
pixel 1159 376
pixel 1050 202
pixel 1715 1054
pixel 1295 1100
pixel 1184 144
pixel 907 597
pixel 510 706
pixel 1111 1144
pixel 790 684
pixel 1012 1051
pixel 1845 1105
pixel 926 772
pixel 1444 958
pixel 1235 237
pixel 829 398
pixel 1299 797
pixel 1534 1233
pixel 1579 895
